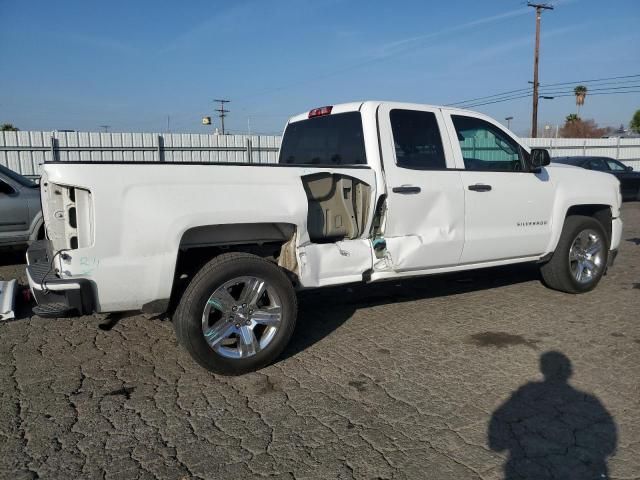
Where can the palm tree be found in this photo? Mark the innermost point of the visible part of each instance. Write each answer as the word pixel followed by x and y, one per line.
pixel 581 92
pixel 572 117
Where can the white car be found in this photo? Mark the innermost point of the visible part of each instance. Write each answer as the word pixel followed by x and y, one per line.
pixel 363 192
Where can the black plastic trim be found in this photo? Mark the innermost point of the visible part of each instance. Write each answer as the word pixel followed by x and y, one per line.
pixel 406 190
pixel 545 258
pixel 480 187
pixel 156 306
pixel 79 299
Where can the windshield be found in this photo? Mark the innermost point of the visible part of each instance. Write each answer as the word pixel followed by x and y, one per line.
pixel 16 177
pixel 328 140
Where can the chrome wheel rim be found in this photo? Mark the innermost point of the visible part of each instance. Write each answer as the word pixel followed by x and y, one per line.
pixel 241 317
pixel 586 256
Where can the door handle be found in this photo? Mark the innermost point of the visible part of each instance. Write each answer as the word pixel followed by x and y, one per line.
pixel 479 187
pixel 406 189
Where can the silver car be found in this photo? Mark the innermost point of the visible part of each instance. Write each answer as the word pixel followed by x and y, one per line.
pixel 20 213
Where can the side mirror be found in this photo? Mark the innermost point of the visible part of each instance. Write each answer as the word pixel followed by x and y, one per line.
pixel 539 158
pixel 629 168
pixel 6 188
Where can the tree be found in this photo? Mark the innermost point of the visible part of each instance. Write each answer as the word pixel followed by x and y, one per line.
pixel 635 122
pixel 575 127
pixel 8 127
pixel 581 93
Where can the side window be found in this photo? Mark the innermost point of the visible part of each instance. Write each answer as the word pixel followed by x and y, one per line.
pixel 5 188
pixel 486 147
pixel 417 140
pixel 616 166
pixel 597 164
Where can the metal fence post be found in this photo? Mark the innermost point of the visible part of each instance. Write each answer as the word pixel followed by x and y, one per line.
pixel 618 149
pixel 584 148
pixel 160 148
pixel 249 151
pixel 54 148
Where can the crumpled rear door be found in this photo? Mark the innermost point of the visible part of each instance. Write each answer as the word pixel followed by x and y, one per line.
pixel 424 221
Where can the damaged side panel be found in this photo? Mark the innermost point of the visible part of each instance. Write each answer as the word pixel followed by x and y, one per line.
pixel 424 224
pixel 339 216
pixel 423 231
pixel 334 263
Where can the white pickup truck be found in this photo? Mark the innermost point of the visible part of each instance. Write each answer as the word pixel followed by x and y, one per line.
pixel 363 192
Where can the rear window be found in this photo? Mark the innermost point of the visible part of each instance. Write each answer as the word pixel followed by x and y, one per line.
pixel 329 140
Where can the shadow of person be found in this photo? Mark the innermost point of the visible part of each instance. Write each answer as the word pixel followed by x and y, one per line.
pixel 552 430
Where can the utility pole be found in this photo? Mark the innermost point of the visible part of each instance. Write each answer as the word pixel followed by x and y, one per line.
pixel 222 112
pixel 536 54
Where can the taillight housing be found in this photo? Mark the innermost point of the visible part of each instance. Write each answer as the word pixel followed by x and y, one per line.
pixel 319 112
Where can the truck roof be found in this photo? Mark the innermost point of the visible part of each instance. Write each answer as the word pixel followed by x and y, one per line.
pixel 356 106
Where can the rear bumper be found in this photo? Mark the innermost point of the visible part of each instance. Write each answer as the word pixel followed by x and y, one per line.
pixel 68 296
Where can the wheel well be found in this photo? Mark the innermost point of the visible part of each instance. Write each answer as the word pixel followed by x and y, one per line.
pixel 602 213
pixel 200 244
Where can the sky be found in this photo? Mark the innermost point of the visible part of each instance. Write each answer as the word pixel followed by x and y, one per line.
pixel 154 66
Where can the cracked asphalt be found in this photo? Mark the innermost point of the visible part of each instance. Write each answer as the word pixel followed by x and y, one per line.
pixel 432 378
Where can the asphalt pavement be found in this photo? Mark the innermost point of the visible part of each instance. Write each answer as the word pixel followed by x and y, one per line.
pixel 475 375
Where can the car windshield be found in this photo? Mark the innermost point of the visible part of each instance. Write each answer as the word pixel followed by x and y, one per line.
pixel 16 177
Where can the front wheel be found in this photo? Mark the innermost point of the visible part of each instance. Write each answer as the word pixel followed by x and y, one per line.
pixel 580 258
pixel 237 314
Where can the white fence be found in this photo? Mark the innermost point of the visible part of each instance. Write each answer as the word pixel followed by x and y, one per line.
pixel 25 151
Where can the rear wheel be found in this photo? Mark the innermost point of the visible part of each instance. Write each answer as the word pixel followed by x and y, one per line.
pixel 237 314
pixel 580 258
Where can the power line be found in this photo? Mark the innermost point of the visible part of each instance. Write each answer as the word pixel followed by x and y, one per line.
pixel 591 89
pixel 488 96
pixel 543 86
pixel 496 101
pixel 600 93
pixel 567 94
pixel 590 81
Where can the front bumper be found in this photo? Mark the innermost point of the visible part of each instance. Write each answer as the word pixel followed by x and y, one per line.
pixel 56 297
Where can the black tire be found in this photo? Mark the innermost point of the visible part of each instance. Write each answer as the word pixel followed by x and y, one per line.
pixel 187 318
pixel 556 273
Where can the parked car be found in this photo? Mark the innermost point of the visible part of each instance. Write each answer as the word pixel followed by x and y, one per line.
pixel 363 192
pixel 629 180
pixel 20 213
